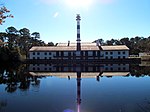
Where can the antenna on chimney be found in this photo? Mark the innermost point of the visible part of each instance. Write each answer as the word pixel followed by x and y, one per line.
pixel 68 43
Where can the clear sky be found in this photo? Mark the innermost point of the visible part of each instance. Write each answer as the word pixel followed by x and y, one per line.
pixel 55 20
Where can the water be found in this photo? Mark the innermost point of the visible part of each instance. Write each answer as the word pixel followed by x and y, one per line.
pixel 48 88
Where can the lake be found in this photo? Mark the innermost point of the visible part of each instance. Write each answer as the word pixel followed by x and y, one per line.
pixel 75 88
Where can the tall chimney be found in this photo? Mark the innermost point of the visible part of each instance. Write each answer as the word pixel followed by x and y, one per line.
pixel 78 18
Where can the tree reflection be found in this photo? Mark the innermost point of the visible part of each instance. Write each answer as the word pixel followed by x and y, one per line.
pixel 17 77
pixel 139 71
pixel 3 104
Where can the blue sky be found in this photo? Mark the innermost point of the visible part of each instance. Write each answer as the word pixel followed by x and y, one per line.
pixel 55 20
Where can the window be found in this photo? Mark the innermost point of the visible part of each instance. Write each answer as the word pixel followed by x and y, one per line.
pixel 124 57
pixel 68 54
pixel 94 68
pixel 106 57
pixel 111 57
pixel 86 68
pixel 118 57
pixel 98 53
pixel 106 53
pixel 124 68
pixel 33 68
pixel 118 52
pixel 111 68
pixel 49 57
pixel 33 57
pixel 123 52
pixel 45 69
pixel 119 68
pixel 106 68
pixel 38 57
pixel 86 53
pixel 38 53
pixel 111 53
pixel 94 53
pixel 45 53
pixel 49 53
pixel 45 57
pixel 62 53
pixel 33 53
pixel 57 53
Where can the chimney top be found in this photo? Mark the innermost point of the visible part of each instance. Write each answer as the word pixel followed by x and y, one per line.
pixel 78 17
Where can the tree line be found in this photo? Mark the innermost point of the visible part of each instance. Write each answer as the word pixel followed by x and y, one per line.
pixel 16 43
pixel 135 44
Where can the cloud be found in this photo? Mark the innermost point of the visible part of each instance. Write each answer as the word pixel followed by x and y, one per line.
pixel 56 14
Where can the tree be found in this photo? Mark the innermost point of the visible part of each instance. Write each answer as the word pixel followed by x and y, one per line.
pixel 12 36
pixel 50 44
pixel 4 13
pixel 36 35
pixel 3 36
pixel 25 37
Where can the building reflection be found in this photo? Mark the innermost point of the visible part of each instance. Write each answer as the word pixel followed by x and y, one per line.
pixel 78 67
pixel 87 71
pixel 79 71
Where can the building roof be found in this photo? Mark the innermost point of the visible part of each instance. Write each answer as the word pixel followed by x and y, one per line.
pixel 53 48
pixel 86 46
pixel 115 47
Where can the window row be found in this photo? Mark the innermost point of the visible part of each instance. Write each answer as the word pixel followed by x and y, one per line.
pixel 45 53
pixel 40 58
pixel 119 52
pixel 42 69
pixel 119 68
pixel 86 68
pixel 111 57
pixel 41 64
pixel 93 53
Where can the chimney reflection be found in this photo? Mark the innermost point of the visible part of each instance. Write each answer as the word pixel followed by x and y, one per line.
pixel 78 91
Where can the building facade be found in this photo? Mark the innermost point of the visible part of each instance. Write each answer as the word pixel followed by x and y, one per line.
pixel 86 52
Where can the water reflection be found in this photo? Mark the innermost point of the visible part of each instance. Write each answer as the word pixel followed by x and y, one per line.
pixel 79 72
pixel 29 77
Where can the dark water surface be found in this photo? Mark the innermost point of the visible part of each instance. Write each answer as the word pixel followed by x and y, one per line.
pixel 47 88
